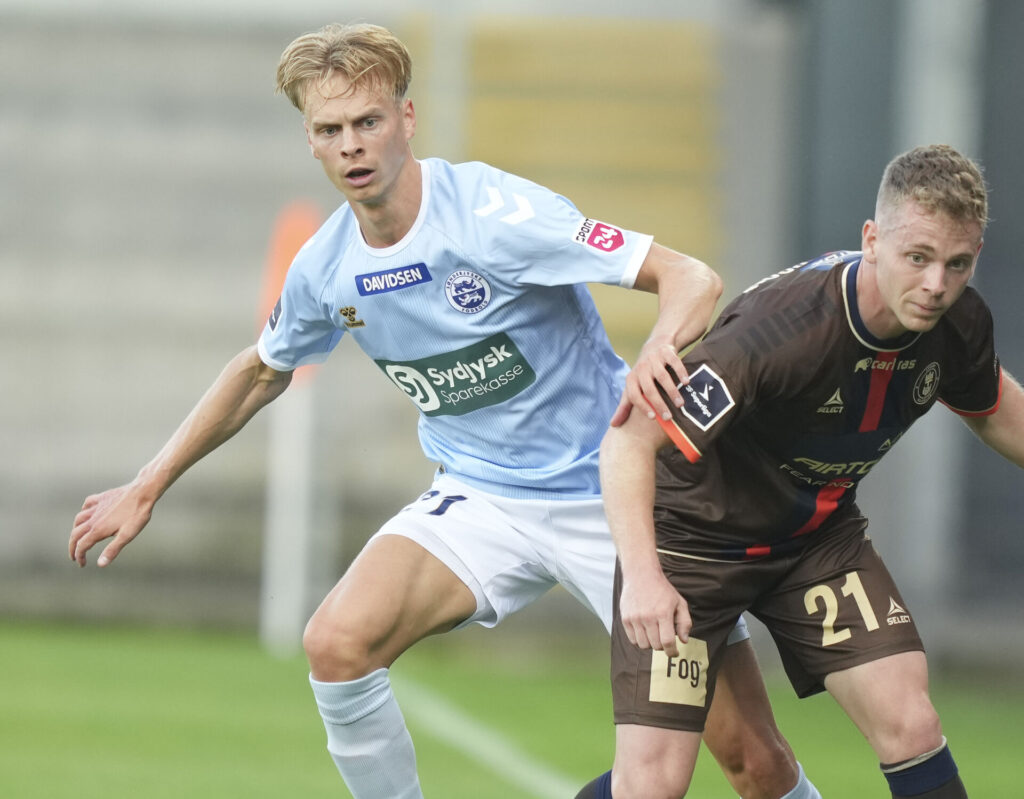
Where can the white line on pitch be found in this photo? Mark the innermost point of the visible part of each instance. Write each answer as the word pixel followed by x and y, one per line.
pixel 439 719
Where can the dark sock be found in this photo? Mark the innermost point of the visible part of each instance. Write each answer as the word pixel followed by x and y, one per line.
pixel 599 788
pixel 934 777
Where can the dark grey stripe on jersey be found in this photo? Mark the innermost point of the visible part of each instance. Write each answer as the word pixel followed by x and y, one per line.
pixel 784 324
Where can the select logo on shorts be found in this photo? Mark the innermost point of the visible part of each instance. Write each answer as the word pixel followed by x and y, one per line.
pixel 454 383
pixel 599 236
pixel 681 680
pixel 927 384
pixel 896 614
pixel 392 279
pixel 705 398
pixel 467 292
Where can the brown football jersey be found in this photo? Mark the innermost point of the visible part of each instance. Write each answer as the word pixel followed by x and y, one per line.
pixel 791 402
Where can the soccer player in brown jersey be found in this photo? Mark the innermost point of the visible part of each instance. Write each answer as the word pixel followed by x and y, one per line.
pixel 745 499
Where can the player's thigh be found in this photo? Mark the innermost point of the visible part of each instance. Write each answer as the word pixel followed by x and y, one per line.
pixel 741 732
pixel 484 540
pixel 583 553
pixel 650 688
pixel 837 607
pixel 888 701
pixel 741 713
pixel 394 593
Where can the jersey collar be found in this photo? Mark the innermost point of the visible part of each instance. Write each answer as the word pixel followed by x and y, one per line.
pixel 857 326
pixel 402 243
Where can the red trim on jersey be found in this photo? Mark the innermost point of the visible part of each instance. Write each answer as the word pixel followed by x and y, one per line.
pixel 876 393
pixel 757 552
pixel 678 436
pixel 824 506
pixel 989 412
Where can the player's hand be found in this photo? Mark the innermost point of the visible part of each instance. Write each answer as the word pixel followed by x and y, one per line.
pixel 653 614
pixel 658 364
pixel 119 513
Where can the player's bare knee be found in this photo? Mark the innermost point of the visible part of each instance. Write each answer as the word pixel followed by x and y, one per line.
pixel 648 776
pixel 764 779
pixel 336 651
pixel 911 733
pixel 760 769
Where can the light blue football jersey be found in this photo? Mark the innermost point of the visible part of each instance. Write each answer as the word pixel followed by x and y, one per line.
pixel 480 317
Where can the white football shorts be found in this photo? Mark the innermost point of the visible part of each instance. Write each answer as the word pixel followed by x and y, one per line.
pixel 509 552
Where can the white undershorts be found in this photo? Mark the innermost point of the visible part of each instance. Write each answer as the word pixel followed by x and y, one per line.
pixel 509 552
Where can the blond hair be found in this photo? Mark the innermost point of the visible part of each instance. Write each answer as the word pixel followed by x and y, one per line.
pixel 368 56
pixel 937 178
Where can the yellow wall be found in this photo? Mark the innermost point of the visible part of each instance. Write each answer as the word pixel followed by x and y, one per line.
pixel 620 116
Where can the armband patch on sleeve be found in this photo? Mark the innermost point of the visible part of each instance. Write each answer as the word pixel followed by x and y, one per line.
pixel 275 315
pixel 706 399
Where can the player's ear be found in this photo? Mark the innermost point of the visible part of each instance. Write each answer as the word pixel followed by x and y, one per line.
pixel 869 239
pixel 408 119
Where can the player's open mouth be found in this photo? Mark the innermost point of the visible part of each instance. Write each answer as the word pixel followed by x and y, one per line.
pixel 359 177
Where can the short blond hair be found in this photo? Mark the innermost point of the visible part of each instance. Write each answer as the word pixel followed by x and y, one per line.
pixel 368 56
pixel 937 178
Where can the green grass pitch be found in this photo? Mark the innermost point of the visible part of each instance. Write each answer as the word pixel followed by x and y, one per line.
pixel 91 711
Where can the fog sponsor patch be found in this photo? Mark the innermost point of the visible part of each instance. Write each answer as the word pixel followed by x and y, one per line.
pixel 681 680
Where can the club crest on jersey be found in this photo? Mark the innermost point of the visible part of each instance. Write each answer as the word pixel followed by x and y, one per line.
pixel 392 279
pixel 467 292
pixel 927 384
pixel 706 399
pixel 599 236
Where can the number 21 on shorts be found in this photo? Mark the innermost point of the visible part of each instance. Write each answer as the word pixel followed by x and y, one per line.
pixel 444 503
pixel 823 596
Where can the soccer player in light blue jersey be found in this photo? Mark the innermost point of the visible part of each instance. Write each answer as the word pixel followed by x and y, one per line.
pixel 465 285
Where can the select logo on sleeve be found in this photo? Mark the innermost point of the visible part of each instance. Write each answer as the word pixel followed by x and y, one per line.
pixel 401 277
pixel 486 373
pixel 706 399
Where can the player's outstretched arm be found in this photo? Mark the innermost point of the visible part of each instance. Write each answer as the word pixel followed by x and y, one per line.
pixel 1003 430
pixel 652 612
pixel 687 291
pixel 244 386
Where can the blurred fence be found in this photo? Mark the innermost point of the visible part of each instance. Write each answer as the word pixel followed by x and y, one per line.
pixel 144 160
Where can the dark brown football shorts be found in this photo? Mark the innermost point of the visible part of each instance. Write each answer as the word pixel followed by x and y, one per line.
pixel 829 606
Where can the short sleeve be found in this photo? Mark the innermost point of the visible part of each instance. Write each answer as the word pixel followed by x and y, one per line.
pixel 298 331
pixel 534 236
pixel 970 384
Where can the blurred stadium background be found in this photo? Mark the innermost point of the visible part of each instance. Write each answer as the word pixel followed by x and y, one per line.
pixel 145 161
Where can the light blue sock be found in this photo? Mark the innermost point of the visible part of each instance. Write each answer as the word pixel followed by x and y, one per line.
pixel 804 788
pixel 367 737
